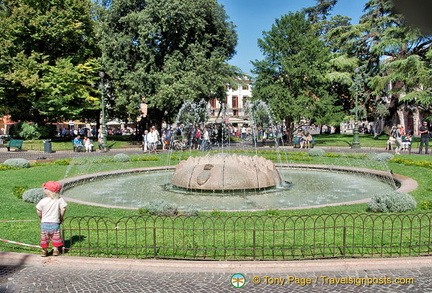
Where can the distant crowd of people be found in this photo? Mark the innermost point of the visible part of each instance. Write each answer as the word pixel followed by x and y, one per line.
pixel 89 132
pixel 205 136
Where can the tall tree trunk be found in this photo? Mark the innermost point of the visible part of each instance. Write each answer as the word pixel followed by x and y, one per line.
pixel 289 125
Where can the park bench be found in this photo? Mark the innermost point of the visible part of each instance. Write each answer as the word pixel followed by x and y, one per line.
pixel 13 143
pixel 77 148
pixel 80 149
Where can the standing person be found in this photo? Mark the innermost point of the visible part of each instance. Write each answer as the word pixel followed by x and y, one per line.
pixel 424 137
pixel 399 132
pixel 197 138
pixel 100 140
pixel 243 132
pixel 156 132
pixel 51 211
pixel 145 141
pixel 152 140
pixel 205 137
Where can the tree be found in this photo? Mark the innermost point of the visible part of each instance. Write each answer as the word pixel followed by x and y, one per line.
pixel 292 76
pixel 47 60
pixel 163 53
pixel 395 58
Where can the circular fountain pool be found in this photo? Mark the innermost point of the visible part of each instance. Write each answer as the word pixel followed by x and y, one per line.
pixel 310 187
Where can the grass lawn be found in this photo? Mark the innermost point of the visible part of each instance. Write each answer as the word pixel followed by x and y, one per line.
pixel 414 166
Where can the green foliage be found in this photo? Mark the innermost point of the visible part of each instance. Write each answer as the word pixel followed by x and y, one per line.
pixel 18 191
pixel 160 208
pixel 316 152
pixel 121 158
pixel 426 205
pixel 63 162
pixel 394 202
pixel 382 157
pixel 29 131
pixel 4 167
pixel 32 131
pixel 166 51
pixel 408 162
pixel 333 155
pixel 271 212
pixel 33 195
pixel 292 76
pixel 17 163
pixel 47 64
pixel 144 158
pixel 216 213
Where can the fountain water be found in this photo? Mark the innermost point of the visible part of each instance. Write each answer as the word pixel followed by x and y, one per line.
pixel 226 181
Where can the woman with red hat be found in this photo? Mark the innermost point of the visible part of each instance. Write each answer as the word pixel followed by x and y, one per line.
pixel 51 211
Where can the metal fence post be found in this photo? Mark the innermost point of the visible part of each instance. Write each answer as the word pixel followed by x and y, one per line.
pixel 254 243
pixel 154 243
pixel 344 242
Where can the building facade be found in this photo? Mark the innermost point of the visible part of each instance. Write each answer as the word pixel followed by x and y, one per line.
pixel 234 109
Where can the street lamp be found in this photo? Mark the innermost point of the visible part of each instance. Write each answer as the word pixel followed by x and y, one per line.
pixel 102 119
pixel 357 89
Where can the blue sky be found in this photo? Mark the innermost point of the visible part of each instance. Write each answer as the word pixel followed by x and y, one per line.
pixel 252 17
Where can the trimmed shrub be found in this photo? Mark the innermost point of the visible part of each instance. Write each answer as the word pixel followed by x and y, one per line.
pixel 383 157
pixel 159 207
pixel 17 163
pixel 33 195
pixel 121 158
pixel 316 152
pixel 393 201
pixel 192 210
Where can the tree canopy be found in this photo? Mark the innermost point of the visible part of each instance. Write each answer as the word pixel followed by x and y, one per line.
pixel 164 53
pixel 47 59
pixel 292 76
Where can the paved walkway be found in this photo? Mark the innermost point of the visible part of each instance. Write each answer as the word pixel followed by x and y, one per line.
pixel 32 273
pixel 37 155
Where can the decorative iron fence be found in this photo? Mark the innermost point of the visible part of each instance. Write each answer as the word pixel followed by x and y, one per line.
pixel 251 237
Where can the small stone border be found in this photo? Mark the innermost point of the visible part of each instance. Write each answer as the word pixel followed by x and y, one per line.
pixel 405 184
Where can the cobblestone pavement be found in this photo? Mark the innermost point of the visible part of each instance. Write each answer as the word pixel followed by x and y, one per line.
pixel 30 279
pixel 82 275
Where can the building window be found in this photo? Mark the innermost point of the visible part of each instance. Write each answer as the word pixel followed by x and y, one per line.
pixel 235 112
pixel 235 102
pixel 245 87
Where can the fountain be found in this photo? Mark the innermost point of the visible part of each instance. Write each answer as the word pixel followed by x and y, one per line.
pixel 226 181
pixel 224 172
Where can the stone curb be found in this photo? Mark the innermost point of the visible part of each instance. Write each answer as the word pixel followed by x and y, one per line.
pixel 20 259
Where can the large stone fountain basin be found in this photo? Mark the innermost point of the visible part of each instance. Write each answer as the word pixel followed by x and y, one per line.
pixel 80 189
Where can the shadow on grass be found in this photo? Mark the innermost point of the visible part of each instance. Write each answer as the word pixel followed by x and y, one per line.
pixel 73 240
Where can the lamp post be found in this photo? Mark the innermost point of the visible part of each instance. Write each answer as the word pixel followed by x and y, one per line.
pixel 102 119
pixel 357 88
